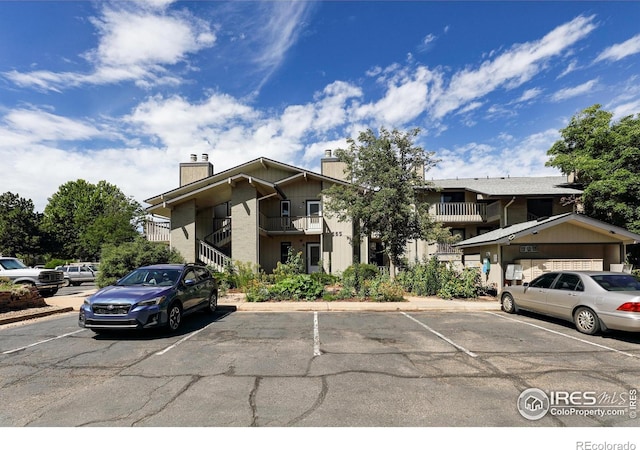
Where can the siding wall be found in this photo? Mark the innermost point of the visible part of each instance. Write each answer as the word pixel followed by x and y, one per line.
pixel 244 223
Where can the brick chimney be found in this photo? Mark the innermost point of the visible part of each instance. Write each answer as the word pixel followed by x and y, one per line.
pixel 195 170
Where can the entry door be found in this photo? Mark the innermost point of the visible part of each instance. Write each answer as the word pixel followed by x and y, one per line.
pixel 314 214
pixel 313 257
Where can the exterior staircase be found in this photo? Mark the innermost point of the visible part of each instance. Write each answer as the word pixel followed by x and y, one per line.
pixel 211 256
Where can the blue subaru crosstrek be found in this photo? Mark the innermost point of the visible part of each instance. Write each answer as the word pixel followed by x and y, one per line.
pixel 151 296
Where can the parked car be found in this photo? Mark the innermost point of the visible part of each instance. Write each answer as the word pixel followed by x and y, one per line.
pixel 47 281
pixel 151 296
pixel 77 274
pixel 593 301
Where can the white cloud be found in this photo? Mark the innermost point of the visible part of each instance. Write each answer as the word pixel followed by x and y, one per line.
pixel 619 51
pixel 135 43
pixel 405 99
pixel 525 157
pixel 529 94
pixel 511 68
pixel 575 91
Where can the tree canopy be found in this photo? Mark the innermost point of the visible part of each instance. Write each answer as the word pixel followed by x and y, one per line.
pixel 384 171
pixel 605 156
pixel 19 227
pixel 82 217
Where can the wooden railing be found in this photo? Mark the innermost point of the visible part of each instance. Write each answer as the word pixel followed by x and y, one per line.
pixel 157 231
pixel 459 211
pixel 447 249
pixel 212 257
pixel 296 224
pixel 222 235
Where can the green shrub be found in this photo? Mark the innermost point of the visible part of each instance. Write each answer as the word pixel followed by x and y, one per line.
pixel 294 265
pixel 297 287
pixel 52 264
pixel 423 279
pixel 257 291
pixel 325 279
pixel 463 284
pixel 382 289
pixel 435 278
pixel 118 260
pixel 354 277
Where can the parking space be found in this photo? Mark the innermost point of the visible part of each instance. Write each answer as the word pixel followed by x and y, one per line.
pixel 310 369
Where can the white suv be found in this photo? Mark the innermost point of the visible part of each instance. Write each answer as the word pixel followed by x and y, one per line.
pixel 47 281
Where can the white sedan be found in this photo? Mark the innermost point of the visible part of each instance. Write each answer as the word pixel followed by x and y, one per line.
pixel 593 301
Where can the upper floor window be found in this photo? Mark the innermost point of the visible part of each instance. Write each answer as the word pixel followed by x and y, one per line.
pixel 452 197
pixel 539 207
pixel 285 208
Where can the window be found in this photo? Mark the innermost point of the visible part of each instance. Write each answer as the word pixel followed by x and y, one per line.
pixel 569 282
pixel 458 232
pixel 539 207
pixel 452 197
pixel 544 280
pixel 284 251
pixel 190 275
pixel 285 208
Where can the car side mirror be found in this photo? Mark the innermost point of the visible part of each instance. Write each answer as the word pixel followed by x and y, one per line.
pixel 189 282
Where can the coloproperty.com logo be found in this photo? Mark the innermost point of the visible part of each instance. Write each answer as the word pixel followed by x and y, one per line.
pixel 534 403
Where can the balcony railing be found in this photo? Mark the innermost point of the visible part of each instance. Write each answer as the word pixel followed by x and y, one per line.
pixel 157 231
pixel 295 224
pixel 447 249
pixel 466 212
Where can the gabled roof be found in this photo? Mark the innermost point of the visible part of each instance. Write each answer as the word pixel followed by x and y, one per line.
pixel 509 186
pixel 513 232
pixel 237 172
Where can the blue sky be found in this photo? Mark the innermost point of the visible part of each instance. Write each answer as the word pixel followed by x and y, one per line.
pixel 125 91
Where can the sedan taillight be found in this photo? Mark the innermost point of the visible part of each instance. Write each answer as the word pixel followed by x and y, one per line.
pixel 630 307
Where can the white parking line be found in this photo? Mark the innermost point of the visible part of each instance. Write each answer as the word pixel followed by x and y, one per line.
pixel 189 336
pixel 563 334
pixel 42 342
pixel 316 335
pixel 441 336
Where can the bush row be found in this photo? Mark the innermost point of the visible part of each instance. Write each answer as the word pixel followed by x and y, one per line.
pixel 359 281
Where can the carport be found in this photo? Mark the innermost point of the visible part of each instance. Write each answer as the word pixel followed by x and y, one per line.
pixel 564 242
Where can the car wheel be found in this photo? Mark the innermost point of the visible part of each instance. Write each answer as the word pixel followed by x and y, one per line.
pixel 174 317
pixel 67 283
pixel 586 321
pixel 508 304
pixel 213 302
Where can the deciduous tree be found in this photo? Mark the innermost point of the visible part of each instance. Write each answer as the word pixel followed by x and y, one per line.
pixel 82 217
pixel 386 172
pixel 605 156
pixel 19 227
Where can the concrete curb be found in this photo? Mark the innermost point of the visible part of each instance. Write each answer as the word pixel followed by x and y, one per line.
pixel 68 303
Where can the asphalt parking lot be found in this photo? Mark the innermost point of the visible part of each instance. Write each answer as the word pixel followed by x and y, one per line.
pixel 316 369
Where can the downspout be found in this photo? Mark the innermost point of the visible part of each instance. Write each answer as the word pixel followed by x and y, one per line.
pixel 506 221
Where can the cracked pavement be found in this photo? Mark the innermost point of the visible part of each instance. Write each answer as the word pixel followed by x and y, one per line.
pixel 246 369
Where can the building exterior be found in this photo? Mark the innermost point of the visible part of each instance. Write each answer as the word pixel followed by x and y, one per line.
pixel 257 211
pixel 252 213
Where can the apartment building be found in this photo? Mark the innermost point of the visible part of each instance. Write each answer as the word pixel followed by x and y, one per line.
pixel 257 211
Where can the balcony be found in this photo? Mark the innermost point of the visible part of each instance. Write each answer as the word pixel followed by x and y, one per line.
pixel 465 212
pixel 292 225
pixel 157 231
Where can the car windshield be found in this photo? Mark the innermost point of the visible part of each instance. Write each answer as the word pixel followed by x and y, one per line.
pixel 622 282
pixel 10 264
pixel 150 277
